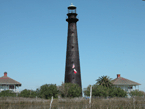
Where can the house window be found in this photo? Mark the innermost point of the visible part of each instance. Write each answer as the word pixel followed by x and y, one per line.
pixel 11 86
pixel 129 87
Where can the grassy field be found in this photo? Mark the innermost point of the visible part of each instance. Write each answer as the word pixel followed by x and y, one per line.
pixel 75 103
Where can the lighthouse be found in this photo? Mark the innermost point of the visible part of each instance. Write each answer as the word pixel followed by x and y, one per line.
pixel 72 67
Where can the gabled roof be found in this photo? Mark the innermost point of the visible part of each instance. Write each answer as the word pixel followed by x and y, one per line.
pixel 7 80
pixel 123 81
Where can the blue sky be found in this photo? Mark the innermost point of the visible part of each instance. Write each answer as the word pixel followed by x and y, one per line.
pixel 33 39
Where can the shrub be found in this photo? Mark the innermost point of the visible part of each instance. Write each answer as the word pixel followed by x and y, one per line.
pixel 7 93
pixel 117 92
pixel 137 93
pixel 47 91
pixel 97 90
pixel 28 93
pixel 102 91
pixel 70 90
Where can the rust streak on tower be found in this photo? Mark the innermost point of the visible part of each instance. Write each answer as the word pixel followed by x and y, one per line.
pixel 72 68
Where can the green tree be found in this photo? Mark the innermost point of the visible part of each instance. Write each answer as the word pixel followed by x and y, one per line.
pixel 117 92
pixel 104 88
pixel 7 93
pixel 103 91
pixel 47 91
pixel 97 90
pixel 137 93
pixel 28 93
pixel 104 81
pixel 70 90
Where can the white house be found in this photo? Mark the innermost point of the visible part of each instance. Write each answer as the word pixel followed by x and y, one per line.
pixel 124 83
pixel 6 83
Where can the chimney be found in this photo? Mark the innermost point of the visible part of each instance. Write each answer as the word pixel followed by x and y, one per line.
pixel 5 73
pixel 118 75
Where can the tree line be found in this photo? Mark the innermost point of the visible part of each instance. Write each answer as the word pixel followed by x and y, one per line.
pixel 102 88
pixel 46 91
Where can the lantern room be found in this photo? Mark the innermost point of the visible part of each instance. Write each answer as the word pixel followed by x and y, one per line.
pixel 71 8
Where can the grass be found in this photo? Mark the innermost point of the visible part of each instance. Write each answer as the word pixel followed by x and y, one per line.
pixel 74 103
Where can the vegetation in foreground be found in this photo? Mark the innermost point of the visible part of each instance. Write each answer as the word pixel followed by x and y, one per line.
pixel 72 103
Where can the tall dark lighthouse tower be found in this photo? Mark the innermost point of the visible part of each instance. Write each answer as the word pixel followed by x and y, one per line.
pixel 72 68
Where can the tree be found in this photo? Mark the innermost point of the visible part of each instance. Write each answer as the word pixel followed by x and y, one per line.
pixel 74 90
pixel 103 91
pixel 47 91
pixel 117 92
pixel 70 90
pixel 104 81
pixel 104 88
pixel 97 90
pixel 28 93
pixel 137 93
pixel 64 89
pixel 7 93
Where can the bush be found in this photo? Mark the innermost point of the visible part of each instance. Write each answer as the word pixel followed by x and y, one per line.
pixel 7 93
pixel 70 90
pixel 102 91
pixel 97 90
pixel 28 93
pixel 136 93
pixel 117 92
pixel 47 91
